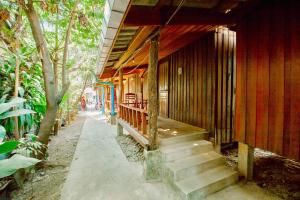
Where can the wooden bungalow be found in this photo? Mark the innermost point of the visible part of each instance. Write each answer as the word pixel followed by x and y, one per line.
pixel 186 71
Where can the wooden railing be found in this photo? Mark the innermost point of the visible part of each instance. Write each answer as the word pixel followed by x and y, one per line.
pixel 135 117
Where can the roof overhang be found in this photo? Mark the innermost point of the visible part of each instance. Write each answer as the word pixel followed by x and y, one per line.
pixel 114 13
pixel 126 44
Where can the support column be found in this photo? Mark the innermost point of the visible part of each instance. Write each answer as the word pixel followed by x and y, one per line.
pixel 120 100
pixel 245 160
pixel 112 105
pixel 153 158
pixel 103 100
pixel 152 93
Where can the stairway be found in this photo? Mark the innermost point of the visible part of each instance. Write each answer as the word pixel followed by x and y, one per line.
pixel 192 168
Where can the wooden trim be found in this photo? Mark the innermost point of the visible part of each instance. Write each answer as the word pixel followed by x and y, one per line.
pixel 137 42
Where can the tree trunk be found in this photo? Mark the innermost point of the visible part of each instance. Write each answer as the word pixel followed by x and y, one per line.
pixel 48 73
pixel 47 124
pixel 152 91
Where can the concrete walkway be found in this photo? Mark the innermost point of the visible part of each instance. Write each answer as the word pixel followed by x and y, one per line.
pixel 100 171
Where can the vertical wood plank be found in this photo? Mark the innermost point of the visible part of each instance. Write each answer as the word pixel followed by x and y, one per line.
pixel 241 57
pixel 219 86
pixel 204 83
pixel 195 84
pixel 295 83
pixel 251 82
pixel 262 85
pixel 199 94
pixel 192 78
pixel 276 103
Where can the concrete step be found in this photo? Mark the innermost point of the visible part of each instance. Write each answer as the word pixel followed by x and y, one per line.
pixel 184 138
pixel 185 149
pixel 206 183
pixel 193 165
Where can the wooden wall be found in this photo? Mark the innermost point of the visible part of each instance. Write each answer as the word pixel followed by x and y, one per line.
pixel 200 83
pixel 163 85
pixel 268 78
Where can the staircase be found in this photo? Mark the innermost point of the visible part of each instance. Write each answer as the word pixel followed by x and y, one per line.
pixel 192 168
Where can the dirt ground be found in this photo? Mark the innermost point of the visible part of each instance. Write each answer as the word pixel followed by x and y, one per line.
pixel 273 173
pixel 46 183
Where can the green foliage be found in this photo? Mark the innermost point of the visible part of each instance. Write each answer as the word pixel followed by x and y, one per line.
pixel 8 146
pixel 30 148
pixel 15 113
pixel 7 106
pixel 2 133
pixel 31 89
pixel 16 162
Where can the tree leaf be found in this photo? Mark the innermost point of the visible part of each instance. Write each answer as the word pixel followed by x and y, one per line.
pixel 15 113
pixel 2 133
pixel 14 102
pixel 8 146
pixel 21 91
pixel 11 165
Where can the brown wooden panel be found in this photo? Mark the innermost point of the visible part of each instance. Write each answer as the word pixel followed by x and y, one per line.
pixel 268 59
pixel 251 72
pixel 262 84
pixel 194 90
pixel 241 56
pixel 163 83
pixel 295 82
pixel 276 103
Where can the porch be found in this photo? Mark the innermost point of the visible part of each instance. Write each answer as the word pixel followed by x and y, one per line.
pixel 135 121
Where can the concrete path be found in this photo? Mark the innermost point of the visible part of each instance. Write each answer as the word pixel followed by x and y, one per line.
pixel 100 171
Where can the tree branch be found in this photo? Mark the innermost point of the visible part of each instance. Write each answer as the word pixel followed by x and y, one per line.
pixel 67 38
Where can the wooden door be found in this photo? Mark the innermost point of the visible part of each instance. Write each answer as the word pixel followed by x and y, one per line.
pixel 163 81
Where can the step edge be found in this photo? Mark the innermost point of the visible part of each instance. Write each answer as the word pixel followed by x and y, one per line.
pixel 171 149
pixel 229 175
pixel 176 169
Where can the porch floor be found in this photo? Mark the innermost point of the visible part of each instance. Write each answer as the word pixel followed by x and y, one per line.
pixel 171 128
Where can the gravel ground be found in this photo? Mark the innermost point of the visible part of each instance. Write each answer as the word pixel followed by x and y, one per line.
pixel 133 151
pixel 276 174
pixel 47 182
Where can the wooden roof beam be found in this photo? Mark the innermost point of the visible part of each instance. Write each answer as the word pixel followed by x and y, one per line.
pixel 137 42
pixel 148 16
pixel 109 72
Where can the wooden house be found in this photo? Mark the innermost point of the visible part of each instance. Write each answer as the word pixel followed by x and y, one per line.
pixel 222 71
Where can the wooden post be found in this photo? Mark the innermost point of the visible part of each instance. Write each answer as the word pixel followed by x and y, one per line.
pixel 245 160
pixel 120 97
pixel 152 93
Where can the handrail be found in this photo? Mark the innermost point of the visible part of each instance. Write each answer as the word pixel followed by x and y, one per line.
pixel 135 117
pixel 133 108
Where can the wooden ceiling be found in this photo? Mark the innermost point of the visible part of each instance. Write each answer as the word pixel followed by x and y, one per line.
pixel 172 38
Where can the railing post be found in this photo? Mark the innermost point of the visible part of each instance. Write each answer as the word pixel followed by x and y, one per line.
pixel 144 123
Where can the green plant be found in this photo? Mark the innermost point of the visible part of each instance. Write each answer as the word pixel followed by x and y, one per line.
pixel 30 147
pixel 30 87
pixel 6 112
pixel 16 162
pixel 11 165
